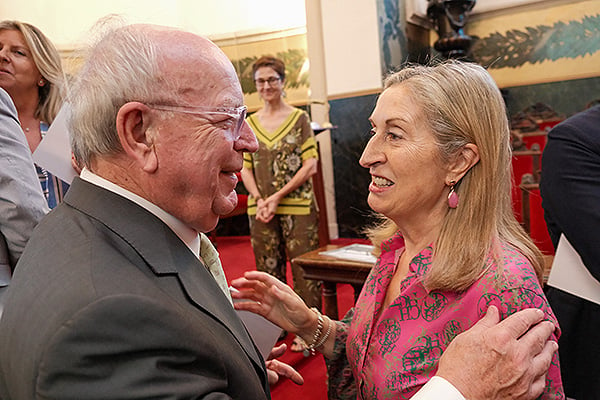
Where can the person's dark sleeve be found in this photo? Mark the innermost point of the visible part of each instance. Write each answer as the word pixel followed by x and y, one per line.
pixel 131 347
pixel 570 186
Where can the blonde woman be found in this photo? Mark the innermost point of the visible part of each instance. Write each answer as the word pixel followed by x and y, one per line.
pixel 31 72
pixel 450 247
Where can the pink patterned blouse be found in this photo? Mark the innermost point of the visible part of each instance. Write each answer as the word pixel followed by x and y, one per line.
pixel 391 358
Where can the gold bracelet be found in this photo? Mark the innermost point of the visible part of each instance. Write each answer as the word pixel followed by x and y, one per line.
pixel 326 335
pixel 318 338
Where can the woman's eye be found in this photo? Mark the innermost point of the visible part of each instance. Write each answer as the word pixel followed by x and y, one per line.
pixel 393 136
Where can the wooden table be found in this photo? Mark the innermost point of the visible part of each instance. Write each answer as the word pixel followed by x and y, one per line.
pixel 331 271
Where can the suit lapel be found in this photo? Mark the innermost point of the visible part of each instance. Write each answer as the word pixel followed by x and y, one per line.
pixel 164 253
pixel 204 291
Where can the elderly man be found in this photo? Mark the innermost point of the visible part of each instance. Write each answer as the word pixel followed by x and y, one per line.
pixel 117 296
pixel 112 299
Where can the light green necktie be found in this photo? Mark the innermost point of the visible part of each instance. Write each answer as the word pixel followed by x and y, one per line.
pixel 210 256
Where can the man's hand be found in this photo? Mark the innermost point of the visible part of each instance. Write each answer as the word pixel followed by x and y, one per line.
pixel 505 360
pixel 277 369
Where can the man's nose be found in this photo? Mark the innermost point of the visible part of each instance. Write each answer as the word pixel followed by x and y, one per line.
pixel 247 141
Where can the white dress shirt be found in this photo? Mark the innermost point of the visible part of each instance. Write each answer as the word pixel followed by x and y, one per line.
pixel 438 388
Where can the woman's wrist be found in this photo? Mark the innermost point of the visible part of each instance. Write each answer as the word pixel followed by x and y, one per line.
pixel 319 333
pixel 307 331
pixel 277 197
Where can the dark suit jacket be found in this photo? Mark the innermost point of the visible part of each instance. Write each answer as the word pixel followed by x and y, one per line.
pixel 108 303
pixel 570 190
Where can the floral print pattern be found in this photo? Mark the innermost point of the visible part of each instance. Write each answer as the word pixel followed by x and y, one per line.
pixel 393 355
pixel 294 230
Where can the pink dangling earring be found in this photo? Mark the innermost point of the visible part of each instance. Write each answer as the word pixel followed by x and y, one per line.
pixel 452 196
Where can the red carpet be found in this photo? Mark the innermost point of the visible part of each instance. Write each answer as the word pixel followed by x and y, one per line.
pixel 237 257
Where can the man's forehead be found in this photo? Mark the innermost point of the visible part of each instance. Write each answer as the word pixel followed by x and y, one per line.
pixel 196 71
pixel 208 84
pixel 189 50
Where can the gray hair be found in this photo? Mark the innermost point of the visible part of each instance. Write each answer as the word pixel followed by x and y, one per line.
pixel 122 66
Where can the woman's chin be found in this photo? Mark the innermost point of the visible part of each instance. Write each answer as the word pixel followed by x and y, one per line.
pixel 372 202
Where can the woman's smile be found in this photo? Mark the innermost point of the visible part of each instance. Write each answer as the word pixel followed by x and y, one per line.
pixel 381 182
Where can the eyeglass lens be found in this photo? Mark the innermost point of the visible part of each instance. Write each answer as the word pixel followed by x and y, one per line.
pixel 240 122
pixel 272 80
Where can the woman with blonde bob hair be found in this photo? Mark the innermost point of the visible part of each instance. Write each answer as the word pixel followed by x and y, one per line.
pixel 48 62
pixel 463 106
pixel 32 74
pixel 449 245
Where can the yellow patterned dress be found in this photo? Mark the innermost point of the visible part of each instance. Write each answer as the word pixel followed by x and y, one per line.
pixel 294 229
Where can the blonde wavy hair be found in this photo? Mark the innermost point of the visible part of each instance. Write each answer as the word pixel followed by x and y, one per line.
pixel 48 62
pixel 462 105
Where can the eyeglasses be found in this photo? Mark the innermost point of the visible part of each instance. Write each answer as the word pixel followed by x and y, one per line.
pixel 236 115
pixel 272 80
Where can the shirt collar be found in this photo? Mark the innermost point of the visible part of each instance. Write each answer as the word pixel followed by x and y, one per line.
pixel 418 265
pixel 188 235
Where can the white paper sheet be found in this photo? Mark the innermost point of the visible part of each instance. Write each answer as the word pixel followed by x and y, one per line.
pixel 263 332
pixel 54 151
pixel 568 273
pixel 353 252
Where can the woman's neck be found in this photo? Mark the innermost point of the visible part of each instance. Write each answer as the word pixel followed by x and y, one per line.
pixel 421 229
pixel 275 106
pixel 415 240
pixel 26 104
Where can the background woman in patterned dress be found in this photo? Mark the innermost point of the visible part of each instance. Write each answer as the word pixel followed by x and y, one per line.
pixel 281 207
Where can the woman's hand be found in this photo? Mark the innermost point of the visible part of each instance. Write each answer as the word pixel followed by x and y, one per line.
pixel 262 213
pixel 277 369
pixel 265 209
pixel 275 301
pixel 271 203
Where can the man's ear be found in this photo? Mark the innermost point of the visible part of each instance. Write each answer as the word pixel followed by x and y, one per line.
pixel 464 161
pixel 133 123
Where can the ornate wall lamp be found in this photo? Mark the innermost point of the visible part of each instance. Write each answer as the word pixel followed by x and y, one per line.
pixel 448 18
